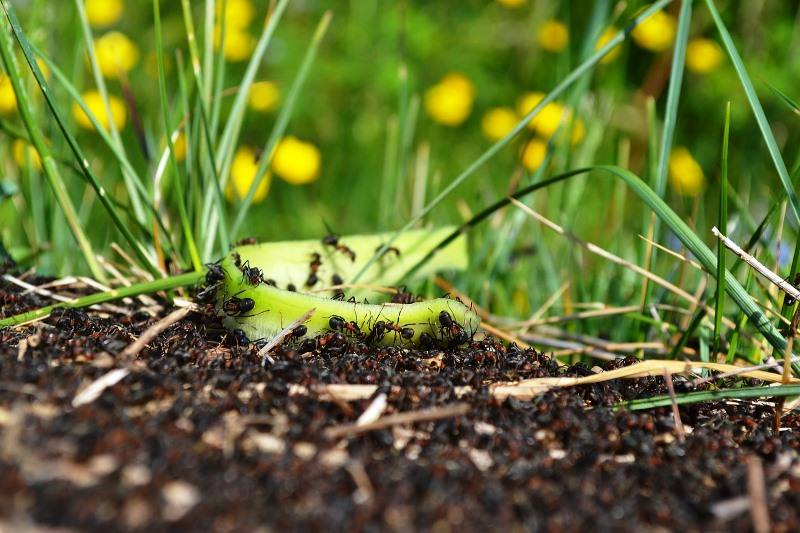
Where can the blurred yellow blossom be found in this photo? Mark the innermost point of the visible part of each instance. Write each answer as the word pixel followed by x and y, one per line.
pixel 21 150
pixel 243 172
pixel 685 174
pixel 656 32
pixel 607 35
pixel 511 3
pixel 238 14
pixel 239 44
pixel 296 161
pixel 578 132
pixel 95 104
pixel 264 96
pixel 497 122
pixel 102 13
pixel 533 154
pixel 180 147
pixel 116 54
pixel 8 98
pixel 553 36
pixel 449 102
pixel 549 118
pixel 703 55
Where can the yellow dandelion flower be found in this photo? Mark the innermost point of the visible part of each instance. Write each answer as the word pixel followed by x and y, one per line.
pixel 656 33
pixel 296 161
pixel 8 98
pixel 238 14
pixel 498 122
pixel 180 147
pixel 449 102
pixel 578 132
pixel 95 104
pixel 549 119
pixel 264 96
pixel 102 13
pixel 511 3
pixel 239 44
pixel 607 35
pixel 243 172
pixel 533 154
pixel 22 151
pixel 116 54
pixel 703 56
pixel 685 173
pixel 553 36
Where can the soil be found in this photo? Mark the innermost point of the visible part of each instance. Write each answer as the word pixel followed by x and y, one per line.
pixel 201 435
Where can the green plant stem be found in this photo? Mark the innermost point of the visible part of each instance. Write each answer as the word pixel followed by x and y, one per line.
pixel 161 284
pixel 49 167
pixel 743 393
pixel 723 226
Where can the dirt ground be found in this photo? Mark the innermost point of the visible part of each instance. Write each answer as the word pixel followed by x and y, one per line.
pixel 199 434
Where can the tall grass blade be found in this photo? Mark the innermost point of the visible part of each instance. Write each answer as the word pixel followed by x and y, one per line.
pixel 723 227
pixel 571 78
pixel 758 111
pixel 744 393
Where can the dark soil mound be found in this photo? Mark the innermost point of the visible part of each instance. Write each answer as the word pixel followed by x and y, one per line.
pixel 201 435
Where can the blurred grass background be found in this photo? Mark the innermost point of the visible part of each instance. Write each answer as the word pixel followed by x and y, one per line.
pixel 401 97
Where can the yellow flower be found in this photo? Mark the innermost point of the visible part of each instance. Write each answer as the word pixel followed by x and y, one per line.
pixel 22 150
pixel 553 36
pixel 296 161
pixel 95 104
pixel 578 132
pixel 264 96
pixel 511 3
pixel 116 54
pixel 656 32
pixel 238 14
pixel 533 154
pixel 8 98
pixel 548 120
pixel 238 44
pixel 102 13
pixel 180 147
pixel 685 173
pixel 449 102
pixel 243 172
pixel 703 56
pixel 498 122
pixel 607 35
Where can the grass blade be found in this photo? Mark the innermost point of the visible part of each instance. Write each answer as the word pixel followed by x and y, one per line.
pixel 758 111
pixel 744 393
pixel 571 78
pixel 723 226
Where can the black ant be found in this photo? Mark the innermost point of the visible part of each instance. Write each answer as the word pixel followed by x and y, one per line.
pixel 234 306
pixel 240 337
pixel 377 332
pixel 291 288
pixel 253 275
pixel 246 241
pixel 270 282
pixel 336 279
pixel 403 296
pixel 406 333
pixel 450 328
pixel 426 340
pixel 215 273
pixel 237 259
pixel 788 300
pixel 333 240
pixel 297 332
pixel 338 323
pixel 316 262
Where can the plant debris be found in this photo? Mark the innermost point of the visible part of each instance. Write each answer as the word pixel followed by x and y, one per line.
pixel 200 432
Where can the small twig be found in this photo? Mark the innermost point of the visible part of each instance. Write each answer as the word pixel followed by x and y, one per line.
pixel 676 413
pixel 96 387
pixel 264 352
pixel 757 490
pixel 37 290
pixel 759 267
pixel 407 417
pixel 150 333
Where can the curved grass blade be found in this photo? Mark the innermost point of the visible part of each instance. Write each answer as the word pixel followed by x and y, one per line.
pixel 283 120
pixel 758 111
pixel 744 393
pixel 571 78
pixel 102 195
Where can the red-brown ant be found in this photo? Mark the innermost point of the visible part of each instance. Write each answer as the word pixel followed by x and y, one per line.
pixel 253 275
pixel 450 328
pixel 237 259
pixel 333 240
pixel 388 249
pixel 234 306
pixel 316 261
pixel 246 241
pixel 403 296
pixel 338 323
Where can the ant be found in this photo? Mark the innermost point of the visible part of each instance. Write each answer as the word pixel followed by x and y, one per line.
pixel 333 240
pixel 237 259
pixel 406 333
pixel 296 333
pixel 270 282
pixel 450 328
pixel 339 295
pixel 246 241
pixel 403 296
pixel 788 300
pixel 377 332
pixel 426 340
pixel 240 337
pixel 316 261
pixel 338 323
pixel 215 273
pixel 291 288
pixel 253 275
pixel 234 306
